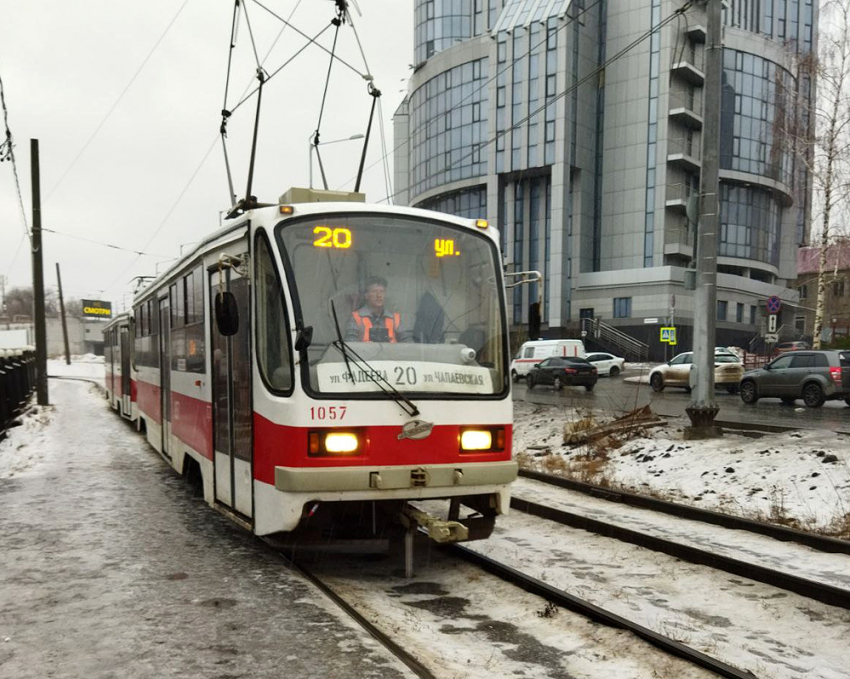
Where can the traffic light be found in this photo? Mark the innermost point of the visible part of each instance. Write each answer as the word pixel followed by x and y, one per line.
pixel 534 320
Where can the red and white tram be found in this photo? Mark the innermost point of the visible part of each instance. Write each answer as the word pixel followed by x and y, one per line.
pixel 318 363
pixel 118 362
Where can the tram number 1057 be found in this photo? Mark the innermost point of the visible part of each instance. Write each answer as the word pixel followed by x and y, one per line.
pixel 328 412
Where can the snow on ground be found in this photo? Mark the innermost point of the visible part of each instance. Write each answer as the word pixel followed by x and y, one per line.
pixel 772 633
pixel 86 366
pixel 800 477
pixel 26 446
pixel 462 622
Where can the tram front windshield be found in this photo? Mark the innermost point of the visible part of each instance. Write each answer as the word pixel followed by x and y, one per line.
pixel 417 300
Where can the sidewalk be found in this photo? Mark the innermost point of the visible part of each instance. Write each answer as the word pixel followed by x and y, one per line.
pixel 109 568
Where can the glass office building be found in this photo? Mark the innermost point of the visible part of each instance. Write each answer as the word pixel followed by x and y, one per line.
pixel 589 172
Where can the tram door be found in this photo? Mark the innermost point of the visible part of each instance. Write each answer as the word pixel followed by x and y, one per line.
pixel 165 372
pixel 126 394
pixel 231 394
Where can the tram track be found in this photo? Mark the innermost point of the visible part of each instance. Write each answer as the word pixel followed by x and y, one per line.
pixel 597 613
pixel 412 663
pixel 818 591
pixel 777 532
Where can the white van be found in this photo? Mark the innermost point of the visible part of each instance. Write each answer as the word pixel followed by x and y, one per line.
pixel 537 350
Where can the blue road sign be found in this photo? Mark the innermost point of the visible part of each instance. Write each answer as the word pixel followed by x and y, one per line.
pixel 774 304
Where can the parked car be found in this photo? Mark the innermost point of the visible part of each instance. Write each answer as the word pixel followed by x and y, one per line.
pixel 785 347
pixel 607 364
pixel 814 376
pixel 563 371
pixel 728 371
pixel 534 351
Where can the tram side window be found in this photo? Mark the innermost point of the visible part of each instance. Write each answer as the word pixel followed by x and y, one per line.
pixel 274 355
pixel 187 334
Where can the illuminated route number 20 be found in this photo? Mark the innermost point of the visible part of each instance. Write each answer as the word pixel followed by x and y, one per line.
pixel 339 237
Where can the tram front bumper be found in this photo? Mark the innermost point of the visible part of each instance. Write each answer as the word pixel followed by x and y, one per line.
pixel 448 477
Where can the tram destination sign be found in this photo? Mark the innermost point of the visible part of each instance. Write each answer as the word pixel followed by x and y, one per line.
pixel 95 308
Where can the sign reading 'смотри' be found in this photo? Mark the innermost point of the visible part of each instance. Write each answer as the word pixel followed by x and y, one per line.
pixel 94 308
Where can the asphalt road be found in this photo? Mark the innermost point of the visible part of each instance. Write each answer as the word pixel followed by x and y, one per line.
pixel 619 397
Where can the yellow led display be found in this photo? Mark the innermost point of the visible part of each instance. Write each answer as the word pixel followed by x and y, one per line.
pixel 445 247
pixel 337 237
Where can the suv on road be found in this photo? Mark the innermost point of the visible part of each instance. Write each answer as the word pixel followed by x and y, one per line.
pixel 814 376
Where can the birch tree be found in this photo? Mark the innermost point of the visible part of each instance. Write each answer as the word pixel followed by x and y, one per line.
pixel 818 130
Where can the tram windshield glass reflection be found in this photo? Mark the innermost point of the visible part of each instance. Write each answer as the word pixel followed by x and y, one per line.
pixel 418 300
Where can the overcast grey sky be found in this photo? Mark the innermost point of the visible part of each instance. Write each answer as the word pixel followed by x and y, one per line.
pixel 65 66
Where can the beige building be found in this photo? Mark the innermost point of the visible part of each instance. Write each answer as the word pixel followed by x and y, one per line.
pixel 837 303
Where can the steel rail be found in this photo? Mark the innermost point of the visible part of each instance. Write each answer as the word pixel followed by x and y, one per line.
pixel 782 533
pixel 598 614
pixel 827 594
pixel 412 663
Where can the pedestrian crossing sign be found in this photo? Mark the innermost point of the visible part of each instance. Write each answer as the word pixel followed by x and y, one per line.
pixel 668 335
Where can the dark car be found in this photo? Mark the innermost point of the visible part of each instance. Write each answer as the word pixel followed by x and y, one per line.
pixel 814 376
pixel 785 347
pixel 559 371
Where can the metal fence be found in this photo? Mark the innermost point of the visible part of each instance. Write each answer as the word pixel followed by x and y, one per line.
pixel 17 382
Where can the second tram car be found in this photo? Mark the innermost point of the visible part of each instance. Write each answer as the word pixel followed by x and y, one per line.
pixel 324 363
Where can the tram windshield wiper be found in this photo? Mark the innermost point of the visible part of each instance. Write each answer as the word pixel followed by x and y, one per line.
pixel 351 356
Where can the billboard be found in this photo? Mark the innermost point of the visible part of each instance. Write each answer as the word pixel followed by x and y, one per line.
pixel 94 308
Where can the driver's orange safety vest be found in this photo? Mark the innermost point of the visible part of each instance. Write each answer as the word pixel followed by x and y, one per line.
pixel 365 324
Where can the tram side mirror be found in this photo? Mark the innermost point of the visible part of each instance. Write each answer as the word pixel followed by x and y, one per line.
pixel 304 338
pixel 226 314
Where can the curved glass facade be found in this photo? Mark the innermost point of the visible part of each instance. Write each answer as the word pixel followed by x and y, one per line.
pixel 751 116
pixel 448 123
pixel 439 25
pixel 790 20
pixel 750 221
pixel 470 203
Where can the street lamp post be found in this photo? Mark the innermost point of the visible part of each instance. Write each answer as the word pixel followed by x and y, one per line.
pixel 316 147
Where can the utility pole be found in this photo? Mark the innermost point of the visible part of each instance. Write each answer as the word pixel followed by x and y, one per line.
pixel 703 407
pixel 64 322
pixel 38 282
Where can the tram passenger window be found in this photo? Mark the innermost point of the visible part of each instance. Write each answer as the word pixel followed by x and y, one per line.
pixel 273 350
pixel 189 297
pixel 198 275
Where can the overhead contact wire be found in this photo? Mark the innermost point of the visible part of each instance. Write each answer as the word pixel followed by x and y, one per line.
pixel 312 40
pixel 117 101
pixel 435 120
pixel 9 146
pixel 593 74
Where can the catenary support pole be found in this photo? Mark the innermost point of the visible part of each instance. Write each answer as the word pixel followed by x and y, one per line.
pixel 38 282
pixel 703 407
pixel 64 320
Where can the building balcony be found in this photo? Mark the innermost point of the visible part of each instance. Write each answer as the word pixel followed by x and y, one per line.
pixel 685 153
pixel 696 33
pixel 690 68
pixel 677 197
pixel 685 110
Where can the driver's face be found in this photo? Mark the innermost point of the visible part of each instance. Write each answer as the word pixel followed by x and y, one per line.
pixel 375 296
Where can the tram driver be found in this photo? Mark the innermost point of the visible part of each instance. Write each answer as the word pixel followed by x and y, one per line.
pixel 373 322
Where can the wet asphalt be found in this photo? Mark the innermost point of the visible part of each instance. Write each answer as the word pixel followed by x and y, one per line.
pixel 109 567
pixel 618 397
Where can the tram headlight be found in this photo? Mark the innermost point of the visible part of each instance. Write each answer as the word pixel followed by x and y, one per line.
pixel 321 443
pixel 482 439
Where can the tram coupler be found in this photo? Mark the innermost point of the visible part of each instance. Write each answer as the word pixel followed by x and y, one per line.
pixel 439 530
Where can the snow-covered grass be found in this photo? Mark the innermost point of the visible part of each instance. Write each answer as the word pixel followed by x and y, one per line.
pixel 800 478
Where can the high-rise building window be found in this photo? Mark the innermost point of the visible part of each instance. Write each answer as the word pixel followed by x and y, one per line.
pixel 722 307
pixel 622 307
pixel 739 313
